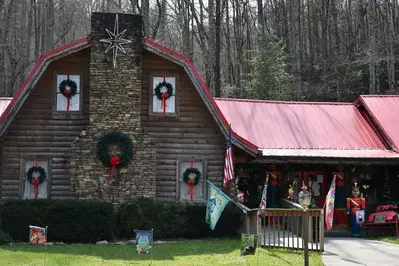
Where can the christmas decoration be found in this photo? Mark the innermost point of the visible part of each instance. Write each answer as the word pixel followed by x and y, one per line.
pixel 68 88
pixel 355 207
pixel 163 91
pixel 191 177
pixel 115 161
pixel 36 181
pixel 115 41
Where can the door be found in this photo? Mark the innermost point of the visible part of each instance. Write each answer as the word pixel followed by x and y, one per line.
pixel 316 183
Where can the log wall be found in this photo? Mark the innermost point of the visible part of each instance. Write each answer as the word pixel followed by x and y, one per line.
pixel 34 131
pixel 193 133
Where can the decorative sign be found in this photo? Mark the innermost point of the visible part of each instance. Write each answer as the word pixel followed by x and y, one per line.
pixel 360 217
pixel 143 241
pixel 379 218
pixel 37 235
pixel 248 244
pixel 115 40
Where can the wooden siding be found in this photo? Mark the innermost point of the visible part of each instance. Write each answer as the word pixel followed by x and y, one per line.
pixel 34 131
pixel 191 134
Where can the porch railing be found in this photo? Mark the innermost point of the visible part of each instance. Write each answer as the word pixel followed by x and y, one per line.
pixel 287 228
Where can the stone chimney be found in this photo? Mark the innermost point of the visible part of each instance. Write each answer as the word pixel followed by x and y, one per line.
pixel 115 104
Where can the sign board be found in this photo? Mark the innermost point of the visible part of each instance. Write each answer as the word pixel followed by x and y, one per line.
pixel 144 241
pixel 37 235
pixel 379 218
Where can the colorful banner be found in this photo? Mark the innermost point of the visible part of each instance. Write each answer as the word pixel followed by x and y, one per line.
pixel 330 198
pixel 217 201
pixel 143 241
pixel 263 201
pixel 37 235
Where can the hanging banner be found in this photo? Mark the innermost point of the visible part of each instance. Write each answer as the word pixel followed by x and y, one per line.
pixel 217 201
pixel 144 241
pixel 37 235
pixel 330 199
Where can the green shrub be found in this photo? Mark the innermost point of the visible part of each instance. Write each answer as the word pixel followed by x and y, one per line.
pixel 4 238
pixel 173 220
pixel 67 220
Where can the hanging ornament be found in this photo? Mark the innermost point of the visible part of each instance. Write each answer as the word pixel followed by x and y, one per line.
pixel 115 161
pixel 115 41
pixel 163 91
pixel 191 177
pixel 68 88
pixel 36 181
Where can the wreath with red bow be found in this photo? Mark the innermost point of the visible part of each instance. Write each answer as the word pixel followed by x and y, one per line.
pixel 115 161
pixel 68 88
pixel 163 96
pixel 36 181
pixel 191 177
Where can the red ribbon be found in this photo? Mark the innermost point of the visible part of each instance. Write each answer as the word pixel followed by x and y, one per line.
pixel 35 182
pixel 68 96
pixel 114 161
pixel 191 164
pixel 191 183
pixel 164 98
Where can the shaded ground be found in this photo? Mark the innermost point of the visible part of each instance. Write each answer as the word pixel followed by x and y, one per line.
pixel 359 251
pixel 209 252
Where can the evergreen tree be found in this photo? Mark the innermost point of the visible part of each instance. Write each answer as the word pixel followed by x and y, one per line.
pixel 269 78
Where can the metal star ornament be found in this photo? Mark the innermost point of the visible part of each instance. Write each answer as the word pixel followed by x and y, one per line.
pixel 115 41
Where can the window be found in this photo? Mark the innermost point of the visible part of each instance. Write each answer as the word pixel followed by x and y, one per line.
pixel 28 189
pixel 157 104
pixel 62 101
pixel 199 190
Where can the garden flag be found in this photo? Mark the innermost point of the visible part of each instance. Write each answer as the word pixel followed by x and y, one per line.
pixel 37 235
pixel 263 200
pixel 144 241
pixel 217 201
pixel 228 162
pixel 330 205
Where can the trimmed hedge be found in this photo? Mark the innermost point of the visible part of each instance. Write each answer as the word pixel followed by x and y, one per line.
pixel 173 220
pixel 67 220
pixel 83 221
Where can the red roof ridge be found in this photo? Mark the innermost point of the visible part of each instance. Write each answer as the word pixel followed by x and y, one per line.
pixel 379 96
pixel 281 102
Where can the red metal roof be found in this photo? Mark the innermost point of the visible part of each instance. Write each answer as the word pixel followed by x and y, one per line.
pixel 384 110
pixel 4 102
pixel 304 128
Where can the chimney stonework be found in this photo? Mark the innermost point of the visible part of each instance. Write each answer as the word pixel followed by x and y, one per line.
pixel 115 104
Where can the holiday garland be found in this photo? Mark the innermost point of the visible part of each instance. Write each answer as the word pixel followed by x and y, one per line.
pixel 36 181
pixel 163 96
pixel 68 88
pixel 191 177
pixel 115 161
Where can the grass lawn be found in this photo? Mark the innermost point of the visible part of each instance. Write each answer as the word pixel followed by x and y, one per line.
pixel 207 252
pixel 389 239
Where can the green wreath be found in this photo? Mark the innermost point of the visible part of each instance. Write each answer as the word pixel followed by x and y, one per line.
pixel 186 175
pixel 40 170
pixel 123 141
pixel 68 83
pixel 168 86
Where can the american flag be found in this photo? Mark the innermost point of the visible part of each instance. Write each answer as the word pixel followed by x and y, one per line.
pixel 228 163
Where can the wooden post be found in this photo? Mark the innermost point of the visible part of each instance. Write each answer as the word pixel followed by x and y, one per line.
pixel 305 224
pixel 321 230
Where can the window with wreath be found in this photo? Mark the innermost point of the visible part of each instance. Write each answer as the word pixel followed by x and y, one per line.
pixel 164 95
pixel 36 179
pixel 191 181
pixel 68 93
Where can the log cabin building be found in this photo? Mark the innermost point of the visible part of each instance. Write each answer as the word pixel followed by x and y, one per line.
pixel 117 71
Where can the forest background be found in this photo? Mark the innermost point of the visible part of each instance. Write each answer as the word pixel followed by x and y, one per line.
pixel 306 50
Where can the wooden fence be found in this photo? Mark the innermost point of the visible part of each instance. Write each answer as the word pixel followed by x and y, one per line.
pixel 288 228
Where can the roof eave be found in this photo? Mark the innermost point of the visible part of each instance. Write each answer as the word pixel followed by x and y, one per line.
pixel 327 160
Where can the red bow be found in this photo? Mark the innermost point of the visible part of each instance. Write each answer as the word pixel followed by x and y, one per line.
pixel 68 93
pixel 191 183
pixel 35 182
pixel 114 161
pixel 164 98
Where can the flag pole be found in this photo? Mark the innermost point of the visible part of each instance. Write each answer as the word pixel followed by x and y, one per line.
pixel 244 211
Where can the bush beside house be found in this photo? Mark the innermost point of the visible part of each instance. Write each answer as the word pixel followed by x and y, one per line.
pixel 83 221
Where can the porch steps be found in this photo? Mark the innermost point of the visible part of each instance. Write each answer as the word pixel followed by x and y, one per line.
pixel 338 232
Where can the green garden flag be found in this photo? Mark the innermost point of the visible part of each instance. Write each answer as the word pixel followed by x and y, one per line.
pixel 217 201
